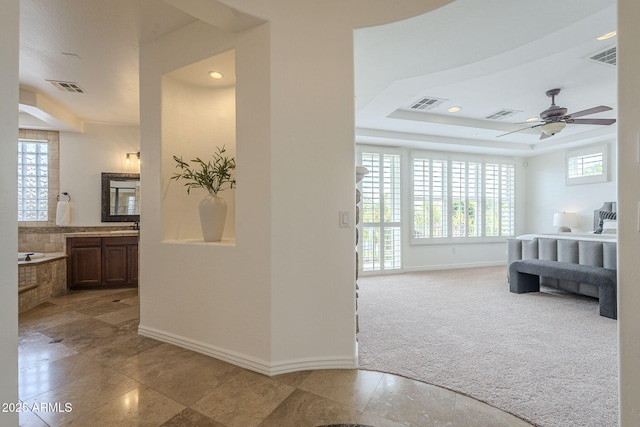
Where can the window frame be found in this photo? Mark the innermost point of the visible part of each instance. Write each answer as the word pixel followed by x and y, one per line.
pixel 585 152
pixel 23 176
pixel 52 138
pixel 450 158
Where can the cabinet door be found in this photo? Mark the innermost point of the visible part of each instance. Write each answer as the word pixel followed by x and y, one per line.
pixel 86 266
pixel 114 264
pixel 132 258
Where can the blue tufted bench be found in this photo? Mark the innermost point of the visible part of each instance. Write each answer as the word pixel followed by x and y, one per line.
pixel 524 276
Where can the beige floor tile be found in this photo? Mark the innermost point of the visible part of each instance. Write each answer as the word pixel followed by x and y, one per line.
pixel 374 420
pixel 84 395
pixel 120 347
pixel 405 401
pixel 36 348
pixel 29 419
pixel 302 408
pixel 48 318
pixel 294 379
pixel 124 314
pixel 83 334
pixel 181 374
pixel 77 297
pixel 472 413
pixel 244 400
pixel 191 418
pixel 138 407
pixel 103 308
pixel 35 379
pixel 349 386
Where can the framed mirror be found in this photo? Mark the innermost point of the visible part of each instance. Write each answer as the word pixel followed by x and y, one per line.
pixel 120 197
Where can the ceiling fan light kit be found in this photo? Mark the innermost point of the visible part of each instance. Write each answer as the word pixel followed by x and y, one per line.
pixel 554 119
pixel 552 128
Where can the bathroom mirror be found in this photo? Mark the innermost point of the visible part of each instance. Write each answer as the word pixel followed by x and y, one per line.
pixel 120 197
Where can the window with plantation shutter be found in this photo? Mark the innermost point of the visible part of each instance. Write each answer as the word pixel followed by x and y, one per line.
pixel 461 198
pixel 381 212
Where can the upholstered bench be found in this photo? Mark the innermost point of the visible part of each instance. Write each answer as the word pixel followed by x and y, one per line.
pixel 524 276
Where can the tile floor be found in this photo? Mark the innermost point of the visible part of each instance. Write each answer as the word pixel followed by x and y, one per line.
pixel 82 363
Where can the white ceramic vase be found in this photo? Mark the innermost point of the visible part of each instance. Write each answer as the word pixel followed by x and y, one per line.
pixel 213 214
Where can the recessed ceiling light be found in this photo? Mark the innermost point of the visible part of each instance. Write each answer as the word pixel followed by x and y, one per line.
pixel 532 119
pixel 454 109
pixel 215 75
pixel 607 36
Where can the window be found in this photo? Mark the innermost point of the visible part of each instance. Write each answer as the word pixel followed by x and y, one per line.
pixel 457 198
pixel 381 213
pixel 586 165
pixel 33 181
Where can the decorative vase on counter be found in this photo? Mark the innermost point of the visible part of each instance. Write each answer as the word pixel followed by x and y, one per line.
pixel 213 214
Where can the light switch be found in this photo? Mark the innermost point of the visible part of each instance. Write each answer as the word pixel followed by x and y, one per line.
pixel 345 221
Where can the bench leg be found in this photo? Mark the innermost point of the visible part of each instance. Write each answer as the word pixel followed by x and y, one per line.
pixel 521 283
pixel 608 301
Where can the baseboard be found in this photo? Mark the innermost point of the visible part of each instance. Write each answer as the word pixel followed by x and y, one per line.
pixel 501 263
pixel 248 362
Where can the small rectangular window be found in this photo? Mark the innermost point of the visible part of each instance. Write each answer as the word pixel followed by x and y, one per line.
pixel 33 181
pixel 586 165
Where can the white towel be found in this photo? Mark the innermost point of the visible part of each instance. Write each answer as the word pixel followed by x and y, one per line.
pixel 63 213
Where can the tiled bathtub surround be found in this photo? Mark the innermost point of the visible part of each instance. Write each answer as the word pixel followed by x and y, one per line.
pixel 41 279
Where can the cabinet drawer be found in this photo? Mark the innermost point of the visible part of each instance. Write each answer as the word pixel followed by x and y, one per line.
pixel 85 242
pixel 120 240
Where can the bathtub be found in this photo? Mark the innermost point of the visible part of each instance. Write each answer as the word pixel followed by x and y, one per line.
pixel 34 255
pixel 43 277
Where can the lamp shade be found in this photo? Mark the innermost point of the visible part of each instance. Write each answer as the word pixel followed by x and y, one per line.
pixel 552 128
pixel 565 219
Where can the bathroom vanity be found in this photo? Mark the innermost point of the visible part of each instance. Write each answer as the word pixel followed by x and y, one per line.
pixel 102 261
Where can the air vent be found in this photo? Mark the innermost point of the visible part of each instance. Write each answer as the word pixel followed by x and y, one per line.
pixel 426 103
pixel 67 86
pixel 607 56
pixel 502 114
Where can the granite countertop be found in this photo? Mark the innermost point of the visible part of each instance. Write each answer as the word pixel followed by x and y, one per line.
pixel 114 233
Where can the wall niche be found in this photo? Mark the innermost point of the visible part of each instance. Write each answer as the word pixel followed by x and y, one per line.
pixel 198 115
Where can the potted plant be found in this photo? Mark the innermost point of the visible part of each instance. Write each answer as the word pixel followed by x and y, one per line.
pixel 214 176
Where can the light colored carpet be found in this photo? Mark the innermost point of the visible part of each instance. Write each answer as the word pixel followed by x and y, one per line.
pixel 546 357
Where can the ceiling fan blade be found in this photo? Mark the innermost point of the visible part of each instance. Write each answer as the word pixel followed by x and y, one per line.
pixel 519 130
pixel 593 110
pixel 592 121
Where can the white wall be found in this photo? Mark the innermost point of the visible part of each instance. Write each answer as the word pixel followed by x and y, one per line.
pixel 211 297
pixel 628 208
pixel 9 39
pixel 84 156
pixel 547 193
pixel 263 301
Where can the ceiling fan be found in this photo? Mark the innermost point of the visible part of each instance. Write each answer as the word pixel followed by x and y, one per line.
pixel 554 118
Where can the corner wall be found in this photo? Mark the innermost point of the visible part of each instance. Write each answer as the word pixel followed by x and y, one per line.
pixel 629 210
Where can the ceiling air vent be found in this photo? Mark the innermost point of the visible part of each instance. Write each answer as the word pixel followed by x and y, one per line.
pixel 67 86
pixel 607 56
pixel 426 103
pixel 502 114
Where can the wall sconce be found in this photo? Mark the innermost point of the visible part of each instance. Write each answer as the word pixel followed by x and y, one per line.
pixel 129 157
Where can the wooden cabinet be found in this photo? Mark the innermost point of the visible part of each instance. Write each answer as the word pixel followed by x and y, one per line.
pixel 102 262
